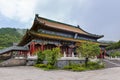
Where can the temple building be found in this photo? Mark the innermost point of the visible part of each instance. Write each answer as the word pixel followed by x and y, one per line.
pixel 47 34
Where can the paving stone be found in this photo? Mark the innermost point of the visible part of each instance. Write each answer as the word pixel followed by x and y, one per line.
pixel 32 73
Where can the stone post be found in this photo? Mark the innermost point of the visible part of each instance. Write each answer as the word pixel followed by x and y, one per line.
pixel 64 54
pixel 73 54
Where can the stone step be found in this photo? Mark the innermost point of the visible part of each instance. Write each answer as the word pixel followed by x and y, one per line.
pixel 111 63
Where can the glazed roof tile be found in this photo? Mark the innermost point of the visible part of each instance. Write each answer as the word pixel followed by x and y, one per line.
pixel 64 26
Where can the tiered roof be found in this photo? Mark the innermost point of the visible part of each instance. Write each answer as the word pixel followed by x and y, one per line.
pixel 32 33
pixel 64 26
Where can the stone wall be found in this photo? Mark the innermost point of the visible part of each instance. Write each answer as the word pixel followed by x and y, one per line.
pixel 62 63
pixel 5 56
pixel 13 62
pixel 31 62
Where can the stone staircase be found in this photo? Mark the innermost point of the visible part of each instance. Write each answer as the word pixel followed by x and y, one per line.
pixel 13 62
pixel 111 63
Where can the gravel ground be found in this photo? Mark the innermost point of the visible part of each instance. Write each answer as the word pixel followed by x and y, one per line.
pixel 32 73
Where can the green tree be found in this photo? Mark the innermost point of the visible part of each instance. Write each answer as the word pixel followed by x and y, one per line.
pixel 88 50
pixel 115 45
pixel 52 55
pixel 41 56
pixel 115 54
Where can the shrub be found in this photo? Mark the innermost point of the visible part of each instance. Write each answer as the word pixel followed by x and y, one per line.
pixel 72 65
pixel 95 65
pixel 50 67
pixel 82 67
pixel 68 67
pixel 116 53
pixel 41 57
pixel 79 69
pixel 75 67
pixel 1 61
pixel 100 66
pixel 40 65
pixel 52 55
pixel 115 45
pixel 45 67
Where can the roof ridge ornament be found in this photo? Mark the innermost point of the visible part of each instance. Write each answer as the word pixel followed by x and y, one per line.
pixel 36 15
pixel 78 26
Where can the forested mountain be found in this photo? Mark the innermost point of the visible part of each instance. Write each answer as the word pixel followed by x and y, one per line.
pixel 115 45
pixel 107 42
pixel 8 36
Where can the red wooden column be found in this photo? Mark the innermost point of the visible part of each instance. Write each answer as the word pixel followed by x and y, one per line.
pixel 101 55
pixel 42 47
pixel 32 48
pixel 104 53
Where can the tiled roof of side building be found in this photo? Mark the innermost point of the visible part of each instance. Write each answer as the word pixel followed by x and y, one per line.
pixel 14 48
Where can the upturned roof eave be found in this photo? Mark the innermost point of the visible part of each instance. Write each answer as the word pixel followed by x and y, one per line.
pixel 58 37
pixel 87 33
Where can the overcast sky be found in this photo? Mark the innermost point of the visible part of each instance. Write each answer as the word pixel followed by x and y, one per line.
pixel 100 17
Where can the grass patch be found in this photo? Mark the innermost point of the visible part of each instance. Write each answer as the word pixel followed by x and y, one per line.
pixel 1 61
pixel 45 66
pixel 82 67
pixel 95 65
pixel 78 69
pixel 40 65
pixel 73 67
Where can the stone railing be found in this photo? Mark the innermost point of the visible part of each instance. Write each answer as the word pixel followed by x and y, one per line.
pixel 113 58
pixel 64 55
pixel 31 57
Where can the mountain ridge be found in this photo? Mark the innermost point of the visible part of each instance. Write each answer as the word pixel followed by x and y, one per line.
pixel 8 36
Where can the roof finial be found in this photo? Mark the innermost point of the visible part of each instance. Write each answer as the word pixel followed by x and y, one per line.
pixel 36 15
pixel 78 26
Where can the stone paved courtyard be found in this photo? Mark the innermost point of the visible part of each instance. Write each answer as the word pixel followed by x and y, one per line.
pixel 31 73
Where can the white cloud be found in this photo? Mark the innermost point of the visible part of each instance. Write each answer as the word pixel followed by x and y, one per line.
pixel 59 10
pixel 21 10
pixel 24 10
